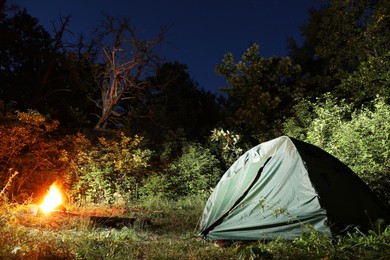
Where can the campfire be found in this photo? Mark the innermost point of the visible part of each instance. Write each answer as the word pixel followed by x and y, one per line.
pixel 52 200
pixel 52 204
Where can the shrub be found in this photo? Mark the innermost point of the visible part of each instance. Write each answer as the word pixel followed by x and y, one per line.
pixel 315 122
pixel 155 187
pixel 194 172
pixel 359 138
pixel 109 172
pixel 363 143
pixel 29 145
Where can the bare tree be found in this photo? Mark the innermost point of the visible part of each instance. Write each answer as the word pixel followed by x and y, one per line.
pixel 128 60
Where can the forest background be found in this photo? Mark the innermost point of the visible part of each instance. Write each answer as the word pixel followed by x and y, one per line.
pixel 111 123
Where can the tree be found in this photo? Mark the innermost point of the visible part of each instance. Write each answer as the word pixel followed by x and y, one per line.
pixel 372 78
pixel 339 37
pixel 261 92
pixel 122 80
pixel 178 103
pixel 40 72
pixel 25 48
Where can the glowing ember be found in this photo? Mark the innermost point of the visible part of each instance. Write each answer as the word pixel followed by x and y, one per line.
pixel 52 199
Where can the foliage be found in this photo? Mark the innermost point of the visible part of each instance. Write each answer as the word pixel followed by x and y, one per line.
pixel 29 146
pixel 6 186
pixel 340 35
pixel 346 51
pixel 110 172
pixel 330 113
pixel 359 138
pixel 172 146
pixel 371 78
pixel 194 171
pixel 25 48
pixel 315 121
pixel 176 102
pixel 227 143
pixel 39 72
pixel 155 187
pixel 366 147
pixel 340 38
pixel 297 125
pixel 260 91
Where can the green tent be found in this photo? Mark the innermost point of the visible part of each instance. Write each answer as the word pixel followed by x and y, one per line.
pixel 283 187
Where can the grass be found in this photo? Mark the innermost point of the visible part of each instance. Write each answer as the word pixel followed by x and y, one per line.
pixel 170 232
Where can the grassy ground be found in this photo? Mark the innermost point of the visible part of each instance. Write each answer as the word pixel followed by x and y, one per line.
pixel 162 230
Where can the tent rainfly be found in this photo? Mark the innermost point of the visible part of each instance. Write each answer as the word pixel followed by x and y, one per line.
pixel 283 187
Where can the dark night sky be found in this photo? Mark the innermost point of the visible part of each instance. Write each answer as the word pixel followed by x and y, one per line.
pixel 201 31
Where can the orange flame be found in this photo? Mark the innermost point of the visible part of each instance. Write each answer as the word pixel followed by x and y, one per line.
pixel 52 199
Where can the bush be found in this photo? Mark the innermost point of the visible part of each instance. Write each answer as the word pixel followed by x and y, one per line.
pixel 363 143
pixel 155 187
pixel 192 172
pixel 29 145
pixel 109 173
pixel 315 122
pixel 195 171
pixel 359 138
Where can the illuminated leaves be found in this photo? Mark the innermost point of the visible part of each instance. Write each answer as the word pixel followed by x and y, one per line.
pixel 109 168
pixel 26 146
pixel 359 138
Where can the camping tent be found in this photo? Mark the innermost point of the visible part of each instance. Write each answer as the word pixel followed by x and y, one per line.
pixel 283 187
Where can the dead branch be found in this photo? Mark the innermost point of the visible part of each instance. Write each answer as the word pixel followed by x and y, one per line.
pixel 127 60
